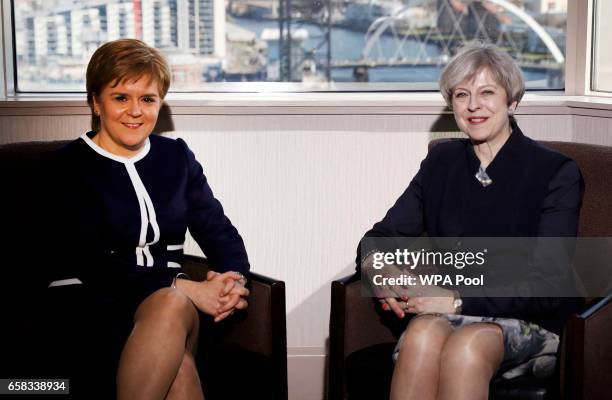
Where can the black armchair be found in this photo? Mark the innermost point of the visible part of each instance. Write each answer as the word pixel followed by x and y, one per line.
pixel 254 339
pixel 257 337
pixel 361 338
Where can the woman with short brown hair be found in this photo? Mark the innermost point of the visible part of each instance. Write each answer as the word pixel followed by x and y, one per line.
pixel 121 201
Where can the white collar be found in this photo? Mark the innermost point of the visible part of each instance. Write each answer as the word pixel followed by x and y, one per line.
pixel 125 160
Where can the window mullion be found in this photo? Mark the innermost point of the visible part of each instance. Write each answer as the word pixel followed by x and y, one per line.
pixel 578 50
pixel 7 70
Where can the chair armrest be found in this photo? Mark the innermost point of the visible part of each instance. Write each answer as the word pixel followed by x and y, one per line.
pixel 336 387
pixel 354 324
pixel 588 349
pixel 261 328
pixel 595 307
pixel 348 279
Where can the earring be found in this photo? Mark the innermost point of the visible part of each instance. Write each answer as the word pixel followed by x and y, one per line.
pixel 97 113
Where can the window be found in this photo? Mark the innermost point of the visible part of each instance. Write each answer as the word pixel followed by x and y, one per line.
pixel 602 56
pixel 326 44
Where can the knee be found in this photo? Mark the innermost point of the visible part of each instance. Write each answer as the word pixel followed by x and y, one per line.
pixel 474 347
pixel 424 335
pixel 174 303
pixel 168 305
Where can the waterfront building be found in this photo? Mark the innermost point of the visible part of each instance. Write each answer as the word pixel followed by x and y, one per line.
pixel 61 35
pixel 246 55
pixel 75 29
pixel 546 6
pixel 473 20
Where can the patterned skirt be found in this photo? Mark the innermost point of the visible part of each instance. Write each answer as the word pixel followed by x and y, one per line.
pixel 528 348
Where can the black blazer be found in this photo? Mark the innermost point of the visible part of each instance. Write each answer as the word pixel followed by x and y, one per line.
pixel 535 192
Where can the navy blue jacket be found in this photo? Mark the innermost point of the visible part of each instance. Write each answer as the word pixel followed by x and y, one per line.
pixel 116 223
pixel 535 192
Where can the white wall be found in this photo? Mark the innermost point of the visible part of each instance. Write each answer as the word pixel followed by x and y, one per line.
pixel 303 188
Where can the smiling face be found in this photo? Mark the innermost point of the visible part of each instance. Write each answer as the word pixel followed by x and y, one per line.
pixel 128 113
pixel 481 108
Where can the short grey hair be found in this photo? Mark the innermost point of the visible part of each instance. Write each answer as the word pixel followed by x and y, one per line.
pixel 475 57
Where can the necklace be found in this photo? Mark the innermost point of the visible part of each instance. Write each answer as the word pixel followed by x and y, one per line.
pixel 482 177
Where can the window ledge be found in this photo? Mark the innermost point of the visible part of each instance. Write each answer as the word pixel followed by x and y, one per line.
pixel 308 103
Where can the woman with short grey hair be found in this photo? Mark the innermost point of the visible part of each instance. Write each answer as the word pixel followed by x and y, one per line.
pixel 471 60
pixel 495 183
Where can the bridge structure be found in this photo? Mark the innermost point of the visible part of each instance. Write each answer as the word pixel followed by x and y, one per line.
pixel 317 13
pixel 439 23
pixel 413 62
pixel 425 33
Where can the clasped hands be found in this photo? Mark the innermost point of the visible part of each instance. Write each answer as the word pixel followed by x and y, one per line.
pixel 413 299
pixel 219 295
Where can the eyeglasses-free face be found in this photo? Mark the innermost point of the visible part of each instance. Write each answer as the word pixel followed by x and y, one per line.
pixel 481 109
pixel 128 113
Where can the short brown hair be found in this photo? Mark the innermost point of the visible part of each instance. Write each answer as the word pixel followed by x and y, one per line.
pixel 123 59
pixel 475 57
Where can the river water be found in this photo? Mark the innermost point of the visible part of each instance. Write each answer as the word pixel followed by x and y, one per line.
pixel 349 44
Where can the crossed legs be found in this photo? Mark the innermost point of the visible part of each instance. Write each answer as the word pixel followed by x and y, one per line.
pixel 436 362
pixel 157 361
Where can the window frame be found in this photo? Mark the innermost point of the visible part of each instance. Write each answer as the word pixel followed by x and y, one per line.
pixel 7 67
pixel 579 58
pixel 578 51
pixel 593 51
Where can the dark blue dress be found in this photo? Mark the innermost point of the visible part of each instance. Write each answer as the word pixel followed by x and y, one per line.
pixel 114 230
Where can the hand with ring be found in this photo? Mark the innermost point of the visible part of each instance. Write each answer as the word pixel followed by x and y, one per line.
pixel 234 295
pixel 399 306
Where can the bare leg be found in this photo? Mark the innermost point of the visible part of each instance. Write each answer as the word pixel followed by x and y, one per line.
pixel 471 356
pixel 417 369
pixel 165 329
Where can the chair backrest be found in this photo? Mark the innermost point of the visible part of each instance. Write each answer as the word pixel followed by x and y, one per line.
pixel 20 177
pixel 592 257
pixel 28 151
pixel 595 163
pixel 19 163
pixel 19 202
